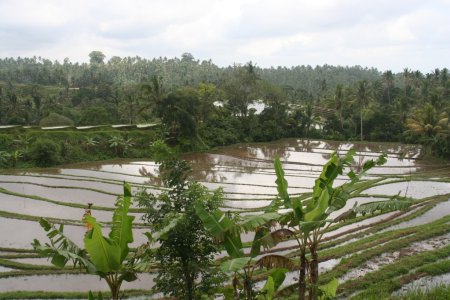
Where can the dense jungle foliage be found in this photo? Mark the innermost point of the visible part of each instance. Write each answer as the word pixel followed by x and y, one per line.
pixel 201 105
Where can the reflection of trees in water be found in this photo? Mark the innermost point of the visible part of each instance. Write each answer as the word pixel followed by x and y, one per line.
pixel 153 179
pixel 97 167
pixel 204 168
pixel 357 164
pixel 242 160
pixel 409 151
pixel 307 145
pixel 270 152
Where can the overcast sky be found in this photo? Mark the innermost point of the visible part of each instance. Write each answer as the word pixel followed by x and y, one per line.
pixel 386 34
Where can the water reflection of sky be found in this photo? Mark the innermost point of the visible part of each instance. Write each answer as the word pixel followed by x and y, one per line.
pixel 69 282
pixel 248 168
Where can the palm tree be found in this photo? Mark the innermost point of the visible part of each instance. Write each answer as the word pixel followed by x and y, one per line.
pixel 362 97
pixel 339 98
pixel 120 144
pixel 388 78
pixel 154 92
pixel 427 123
pixel 90 142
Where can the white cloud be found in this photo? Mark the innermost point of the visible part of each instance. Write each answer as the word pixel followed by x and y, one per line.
pixel 270 46
pixel 384 33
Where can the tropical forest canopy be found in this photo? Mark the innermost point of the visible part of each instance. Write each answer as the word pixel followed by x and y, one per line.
pixel 200 104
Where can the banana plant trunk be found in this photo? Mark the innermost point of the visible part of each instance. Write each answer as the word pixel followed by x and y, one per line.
pixel 248 284
pixel 302 275
pixel 314 272
pixel 114 285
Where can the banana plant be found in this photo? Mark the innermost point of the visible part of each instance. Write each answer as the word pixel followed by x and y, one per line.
pixel 309 217
pixel 242 266
pixel 106 256
pixel 15 156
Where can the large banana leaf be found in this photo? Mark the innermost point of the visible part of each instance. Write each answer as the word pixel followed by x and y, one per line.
pixel 235 264
pixel 394 203
pixel 278 275
pixel 273 282
pixel 320 207
pixel 271 239
pixel 121 231
pixel 282 184
pixel 104 252
pixel 221 227
pixel 256 244
pixel 268 290
pixel 251 223
pixel 339 197
pixel 163 232
pixel 325 181
pixel 233 244
pixel 329 289
pixel 216 223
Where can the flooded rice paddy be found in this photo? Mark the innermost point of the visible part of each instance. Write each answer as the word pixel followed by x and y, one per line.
pixel 246 175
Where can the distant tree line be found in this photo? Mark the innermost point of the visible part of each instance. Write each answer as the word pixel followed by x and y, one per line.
pixel 201 105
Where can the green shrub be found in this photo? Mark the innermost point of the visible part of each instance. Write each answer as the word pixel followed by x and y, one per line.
pixel 54 119
pixel 45 152
pixel 6 141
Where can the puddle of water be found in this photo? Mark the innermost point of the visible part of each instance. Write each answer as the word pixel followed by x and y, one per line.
pixel 69 282
pixel 414 189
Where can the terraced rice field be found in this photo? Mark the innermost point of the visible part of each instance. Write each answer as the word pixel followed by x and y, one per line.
pixel 387 250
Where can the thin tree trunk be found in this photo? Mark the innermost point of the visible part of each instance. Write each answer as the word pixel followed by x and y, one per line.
pixel 389 96
pixel 361 118
pixel 188 281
